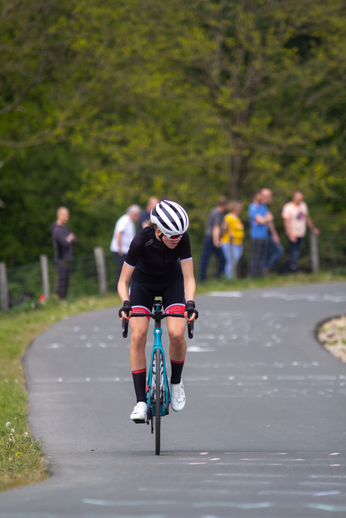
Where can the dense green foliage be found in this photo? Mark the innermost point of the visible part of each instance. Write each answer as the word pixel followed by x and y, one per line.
pixel 104 104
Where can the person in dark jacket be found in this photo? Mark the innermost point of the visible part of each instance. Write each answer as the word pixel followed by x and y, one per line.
pixel 62 240
pixel 212 243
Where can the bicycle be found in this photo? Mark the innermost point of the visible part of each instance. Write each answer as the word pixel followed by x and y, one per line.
pixel 157 377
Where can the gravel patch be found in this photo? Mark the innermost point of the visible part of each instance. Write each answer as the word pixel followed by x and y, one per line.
pixel 332 335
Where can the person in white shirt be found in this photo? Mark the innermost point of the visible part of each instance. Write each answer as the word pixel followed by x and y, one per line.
pixel 124 232
pixel 296 216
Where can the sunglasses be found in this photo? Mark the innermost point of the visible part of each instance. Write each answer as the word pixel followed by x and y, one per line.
pixel 174 238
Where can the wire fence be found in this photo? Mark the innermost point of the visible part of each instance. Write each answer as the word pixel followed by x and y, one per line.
pixel 24 283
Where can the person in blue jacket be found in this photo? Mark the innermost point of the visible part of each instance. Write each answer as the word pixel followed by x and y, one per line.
pixel 259 218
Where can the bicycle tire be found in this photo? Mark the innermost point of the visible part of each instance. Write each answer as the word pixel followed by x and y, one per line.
pixel 158 403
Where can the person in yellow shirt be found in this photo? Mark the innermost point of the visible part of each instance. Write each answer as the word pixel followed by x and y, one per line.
pixel 232 238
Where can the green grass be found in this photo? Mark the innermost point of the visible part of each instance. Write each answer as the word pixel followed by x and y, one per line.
pixel 271 281
pixel 21 460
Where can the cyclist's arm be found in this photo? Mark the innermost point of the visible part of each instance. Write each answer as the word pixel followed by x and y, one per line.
pixel 189 280
pixel 124 282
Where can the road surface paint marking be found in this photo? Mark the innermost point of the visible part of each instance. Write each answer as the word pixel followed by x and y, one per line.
pixel 324 483
pixel 327 476
pixel 196 349
pixel 248 475
pixel 332 508
pixel 334 454
pixel 283 460
pixel 303 296
pixel 126 503
pixel 258 505
pixel 309 493
pixel 235 294
pixel 82 380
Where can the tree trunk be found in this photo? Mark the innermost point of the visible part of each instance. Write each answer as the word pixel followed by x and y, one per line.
pixel 235 167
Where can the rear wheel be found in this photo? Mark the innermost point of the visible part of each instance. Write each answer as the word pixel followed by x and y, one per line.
pixel 157 403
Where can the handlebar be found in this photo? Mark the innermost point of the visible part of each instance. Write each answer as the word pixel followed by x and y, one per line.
pixel 160 316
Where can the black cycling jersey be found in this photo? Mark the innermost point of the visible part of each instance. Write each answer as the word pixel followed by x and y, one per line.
pixel 145 288
pixel 149 255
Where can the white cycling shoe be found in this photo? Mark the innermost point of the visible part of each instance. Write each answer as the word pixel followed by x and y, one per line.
pixel 139 412
pixel 178 398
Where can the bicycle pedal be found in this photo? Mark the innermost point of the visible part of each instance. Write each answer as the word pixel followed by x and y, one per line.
pixel 139 421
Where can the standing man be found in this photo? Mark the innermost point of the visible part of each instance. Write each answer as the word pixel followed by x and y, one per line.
pixel 124 232
pixel 274 247
pixel 62 241
pixel 259 217
pixel 145 214
pixel 212 239
pixel 296 216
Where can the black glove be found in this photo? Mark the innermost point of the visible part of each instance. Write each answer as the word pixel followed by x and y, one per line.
pixel 126 308
pixel 190 308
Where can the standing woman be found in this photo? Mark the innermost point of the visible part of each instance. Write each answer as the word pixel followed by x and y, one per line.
pixel 160 263
pixel 232 238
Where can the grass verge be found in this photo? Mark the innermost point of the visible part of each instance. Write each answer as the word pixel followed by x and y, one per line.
pixel 21 459
pixel 271 281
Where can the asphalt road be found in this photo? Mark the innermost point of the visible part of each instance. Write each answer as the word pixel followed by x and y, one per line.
pixel 262 433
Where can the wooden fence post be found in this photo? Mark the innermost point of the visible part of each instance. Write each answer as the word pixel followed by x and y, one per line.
pixel 101 269
pixel 45 276
pixel 315 260
pixel 3 287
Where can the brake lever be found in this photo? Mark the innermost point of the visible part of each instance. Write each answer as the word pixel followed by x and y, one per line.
pixel 190 327
pixel 125 327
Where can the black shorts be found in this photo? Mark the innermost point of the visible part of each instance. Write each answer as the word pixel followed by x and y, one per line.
pixel 144 289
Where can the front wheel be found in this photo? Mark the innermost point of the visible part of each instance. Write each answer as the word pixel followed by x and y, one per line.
pixel 157 403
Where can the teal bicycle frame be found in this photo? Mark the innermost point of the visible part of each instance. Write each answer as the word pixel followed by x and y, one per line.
pixel 165 396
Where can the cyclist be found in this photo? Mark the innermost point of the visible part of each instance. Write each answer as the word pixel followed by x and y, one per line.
pixel 159 262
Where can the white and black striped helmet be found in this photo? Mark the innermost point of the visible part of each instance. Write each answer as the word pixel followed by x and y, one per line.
pixel 170 218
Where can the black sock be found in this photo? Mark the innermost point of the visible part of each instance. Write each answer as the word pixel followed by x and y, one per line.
pixel 176 369
pixel 139 382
